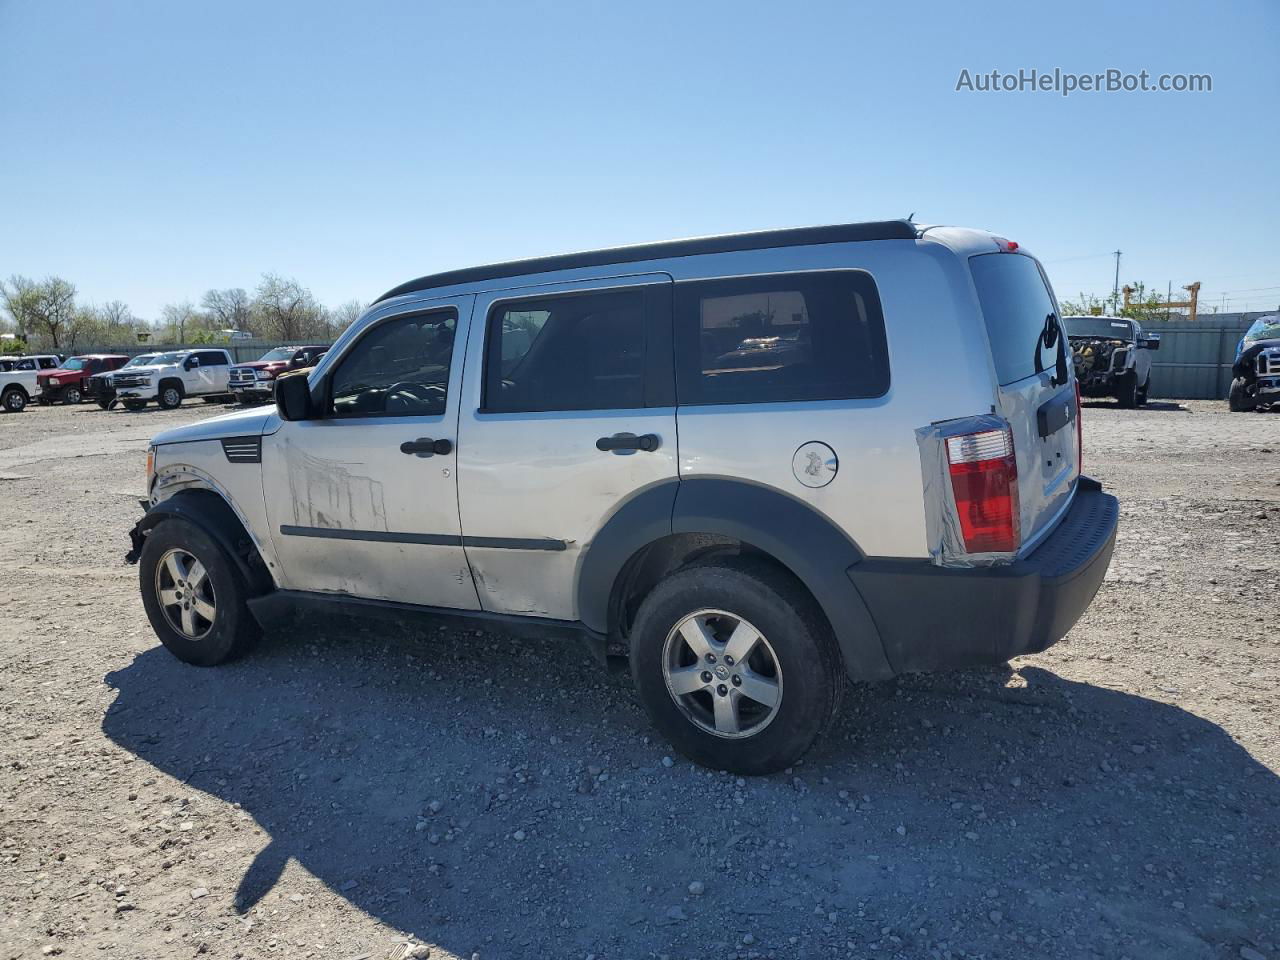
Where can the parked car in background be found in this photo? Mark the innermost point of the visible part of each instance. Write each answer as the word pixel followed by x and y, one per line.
pixel 690 451
pixel 38 361
pixel 100 388
pixel 1255 375
pixel 18 385
pixel 66 384
pixel 1112 357
pixel 254 382
pixel 171 377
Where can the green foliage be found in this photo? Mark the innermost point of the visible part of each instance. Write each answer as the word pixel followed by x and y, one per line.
pixel 15 346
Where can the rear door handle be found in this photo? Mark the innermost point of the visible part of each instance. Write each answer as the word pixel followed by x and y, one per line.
pixel 426 447
pixel 629 441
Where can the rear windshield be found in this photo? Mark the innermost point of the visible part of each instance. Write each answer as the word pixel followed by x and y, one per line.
pixel 1015 303
pixel 1103 328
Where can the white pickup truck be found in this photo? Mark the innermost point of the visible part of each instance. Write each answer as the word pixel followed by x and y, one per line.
pixel 172 376
pixel 19 383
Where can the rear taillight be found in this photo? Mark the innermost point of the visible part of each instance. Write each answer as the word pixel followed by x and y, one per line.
pixel 1079 434
pixel 984 479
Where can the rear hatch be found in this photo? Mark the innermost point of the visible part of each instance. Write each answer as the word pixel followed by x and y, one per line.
pixel 1036 386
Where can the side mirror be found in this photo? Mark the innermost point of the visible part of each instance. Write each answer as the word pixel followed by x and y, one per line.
pixel 191 364
pixel 293 398
pixel 1150 343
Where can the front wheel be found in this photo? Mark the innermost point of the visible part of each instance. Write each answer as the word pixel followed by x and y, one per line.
pixel 170 396
pixel 736 666
pixel 14 400
pixel 104 404
pixel 1142 393
pixel 194 595
pixel 1127 390
pixel 72 396
pixel 135 405
pixel 1239 400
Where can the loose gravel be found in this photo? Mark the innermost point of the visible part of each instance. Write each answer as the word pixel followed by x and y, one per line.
pixel 360 792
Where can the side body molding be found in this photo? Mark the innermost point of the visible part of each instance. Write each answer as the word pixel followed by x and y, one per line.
pixel 800 538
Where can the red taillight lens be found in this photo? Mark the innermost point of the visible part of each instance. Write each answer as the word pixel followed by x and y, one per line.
pixel 984 479
pixel 1079 434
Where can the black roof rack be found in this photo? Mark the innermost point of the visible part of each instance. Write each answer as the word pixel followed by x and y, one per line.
pixel 727 243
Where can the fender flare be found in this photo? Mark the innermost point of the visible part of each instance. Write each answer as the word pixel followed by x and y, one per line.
pixel 214 516
pixel 789 530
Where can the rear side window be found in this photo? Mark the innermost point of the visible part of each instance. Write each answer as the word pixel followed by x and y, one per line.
pixel 1015 303
pixel 792 336
pixel 212 358
pixel 582 351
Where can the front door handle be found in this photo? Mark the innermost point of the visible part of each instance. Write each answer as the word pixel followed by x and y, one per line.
pixel 629 441
pixel 426 447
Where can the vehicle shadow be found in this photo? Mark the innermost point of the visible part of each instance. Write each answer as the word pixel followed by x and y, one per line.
pixel 1157 406
pixel 503 796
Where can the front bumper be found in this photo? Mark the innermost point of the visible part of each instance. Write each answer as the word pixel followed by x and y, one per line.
pixel 259 390
pixel 932 617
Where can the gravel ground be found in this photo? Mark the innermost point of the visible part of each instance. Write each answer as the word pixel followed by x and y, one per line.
pixel 347 791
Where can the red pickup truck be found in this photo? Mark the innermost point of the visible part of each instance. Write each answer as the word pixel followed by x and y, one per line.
pixel 255 381
pixel 67 382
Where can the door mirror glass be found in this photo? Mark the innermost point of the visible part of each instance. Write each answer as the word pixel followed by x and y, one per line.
pixel 1150 343
pixel 293 397
pixel 192 363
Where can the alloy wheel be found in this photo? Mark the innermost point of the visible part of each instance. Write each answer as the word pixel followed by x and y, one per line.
pixel 722 673
pixel 185 593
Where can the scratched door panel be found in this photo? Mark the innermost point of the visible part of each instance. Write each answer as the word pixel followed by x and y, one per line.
pixel 350 511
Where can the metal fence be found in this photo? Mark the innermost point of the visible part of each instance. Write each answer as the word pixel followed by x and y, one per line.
pixel 1194 360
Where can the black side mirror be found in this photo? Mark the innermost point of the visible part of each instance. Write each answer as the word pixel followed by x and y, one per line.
pixel 191 364
pixel 293 398
pixel 1150 343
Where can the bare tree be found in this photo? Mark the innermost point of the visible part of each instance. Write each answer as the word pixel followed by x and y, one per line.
pixel 175 318
pixel 342 316
pixel 53 311
pixel 19 302
pixel 227 309
pixel 283 309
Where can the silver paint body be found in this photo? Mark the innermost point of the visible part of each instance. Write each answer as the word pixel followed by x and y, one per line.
pixel 540 476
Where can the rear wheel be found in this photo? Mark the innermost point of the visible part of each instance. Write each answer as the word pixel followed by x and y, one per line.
pixel 134 404
pixel 1239 400
pixel 14 400
pixel 736 666
pixel 194 595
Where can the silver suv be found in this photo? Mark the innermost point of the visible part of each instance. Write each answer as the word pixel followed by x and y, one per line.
pixel 730 458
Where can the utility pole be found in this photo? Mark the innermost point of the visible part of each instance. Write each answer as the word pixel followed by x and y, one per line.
pixel 1115 289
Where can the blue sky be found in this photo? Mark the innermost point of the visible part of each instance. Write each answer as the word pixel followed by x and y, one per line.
pixel 153 150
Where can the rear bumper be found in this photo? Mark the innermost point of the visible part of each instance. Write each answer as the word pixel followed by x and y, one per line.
pixel 932 617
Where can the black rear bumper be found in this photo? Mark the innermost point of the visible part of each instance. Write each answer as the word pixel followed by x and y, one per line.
pixel 932 617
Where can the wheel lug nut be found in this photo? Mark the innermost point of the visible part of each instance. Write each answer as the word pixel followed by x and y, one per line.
pixel 729 660
pixel 722 690
pixel 706 676
pixel 711 658
pixel 737 680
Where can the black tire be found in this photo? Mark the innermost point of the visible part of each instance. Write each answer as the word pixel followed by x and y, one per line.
pixel 14 400
pixel 1239 400
pixel 211 399
pixel 811 671
pixel 1127 390
pixel 1143 392
pixel 134 405
pixel 104 403
pixel 72 396
pixel 233 630
pixel 169 396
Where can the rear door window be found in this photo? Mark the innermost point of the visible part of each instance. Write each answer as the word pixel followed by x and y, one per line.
pixel 578 351
pixel 1015 303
